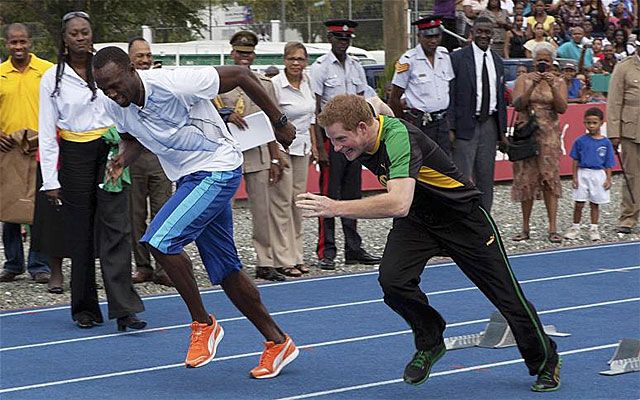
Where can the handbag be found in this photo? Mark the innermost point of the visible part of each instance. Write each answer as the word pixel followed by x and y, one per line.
pixel 522 143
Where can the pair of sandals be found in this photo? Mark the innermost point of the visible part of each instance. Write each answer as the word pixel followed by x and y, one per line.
pixel 295 271
pixel 553 237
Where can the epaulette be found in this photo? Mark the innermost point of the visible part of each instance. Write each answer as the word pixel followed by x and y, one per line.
pixel 409 53
pixel 320 59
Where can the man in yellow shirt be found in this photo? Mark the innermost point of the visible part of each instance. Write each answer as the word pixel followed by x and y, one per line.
pixel 19 102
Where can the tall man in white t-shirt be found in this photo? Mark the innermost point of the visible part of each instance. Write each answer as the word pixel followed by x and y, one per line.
pixel 170 113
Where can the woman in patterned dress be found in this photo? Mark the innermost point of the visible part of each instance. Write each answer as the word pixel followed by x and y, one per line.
pixel 544 95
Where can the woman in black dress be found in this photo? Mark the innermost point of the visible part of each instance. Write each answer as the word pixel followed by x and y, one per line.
pixel 516 38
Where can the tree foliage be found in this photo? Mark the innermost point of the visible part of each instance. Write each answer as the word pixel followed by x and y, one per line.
pixel 307 17
pixel 112 20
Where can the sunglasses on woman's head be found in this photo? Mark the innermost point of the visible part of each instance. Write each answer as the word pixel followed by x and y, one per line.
pixel 74 14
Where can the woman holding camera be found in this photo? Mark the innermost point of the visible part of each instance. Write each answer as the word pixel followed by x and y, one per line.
pixel 540 95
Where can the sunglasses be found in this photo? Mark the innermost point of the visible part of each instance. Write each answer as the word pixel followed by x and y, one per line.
pixel 74 14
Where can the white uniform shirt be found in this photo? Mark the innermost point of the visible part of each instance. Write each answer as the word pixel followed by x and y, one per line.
pixel 71 109
pixel 491 69
pixel 299 106
pixel 179 123
pixel 329 78
pixel 426 86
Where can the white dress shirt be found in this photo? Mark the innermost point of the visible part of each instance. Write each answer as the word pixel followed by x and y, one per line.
pixel 426 86
pixel 71 109
pixel 330 78
pixel 299 106
pixel 179 123
pixel 478 56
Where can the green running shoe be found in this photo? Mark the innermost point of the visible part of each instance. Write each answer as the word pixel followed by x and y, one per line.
pixel 419 368
pixel 549 379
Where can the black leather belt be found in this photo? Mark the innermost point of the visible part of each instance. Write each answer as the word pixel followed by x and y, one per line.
pixel 425 118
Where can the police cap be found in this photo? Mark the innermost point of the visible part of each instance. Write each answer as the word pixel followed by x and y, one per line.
pixel 341 28
pixel 429 26
pixel 244 41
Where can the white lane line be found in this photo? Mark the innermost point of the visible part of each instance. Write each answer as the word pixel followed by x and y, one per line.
pixel 302 310
pixel 306 346
pixel 325 278
pixel 441 373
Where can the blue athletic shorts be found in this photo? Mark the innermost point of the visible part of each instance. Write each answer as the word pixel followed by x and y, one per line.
pixel 200 211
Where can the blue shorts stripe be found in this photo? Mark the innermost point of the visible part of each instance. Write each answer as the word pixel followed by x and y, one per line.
pixel 189 209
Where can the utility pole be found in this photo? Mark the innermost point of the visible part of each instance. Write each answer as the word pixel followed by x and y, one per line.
pixel 394 29
pixel 283 19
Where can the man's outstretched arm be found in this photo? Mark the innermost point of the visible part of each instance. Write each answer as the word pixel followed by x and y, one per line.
pixel 395 203
pixel 232 76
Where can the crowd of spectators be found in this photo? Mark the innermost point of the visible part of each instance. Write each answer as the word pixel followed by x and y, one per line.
pixel 590 36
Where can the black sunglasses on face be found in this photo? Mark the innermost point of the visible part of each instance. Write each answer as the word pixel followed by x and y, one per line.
pixel 74 14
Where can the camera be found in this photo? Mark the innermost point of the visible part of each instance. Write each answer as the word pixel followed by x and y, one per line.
pixel 541 67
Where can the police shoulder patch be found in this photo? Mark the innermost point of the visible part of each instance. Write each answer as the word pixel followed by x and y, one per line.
pixel 400 67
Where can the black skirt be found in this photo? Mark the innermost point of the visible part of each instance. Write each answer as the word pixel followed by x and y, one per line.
pixel 47 231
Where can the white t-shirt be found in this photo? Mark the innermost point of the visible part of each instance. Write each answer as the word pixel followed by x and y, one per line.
pixel 179 123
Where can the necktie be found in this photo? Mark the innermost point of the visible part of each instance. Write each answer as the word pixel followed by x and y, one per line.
pixel 484 105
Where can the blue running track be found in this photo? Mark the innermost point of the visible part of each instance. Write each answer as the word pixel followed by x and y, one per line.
pixel 352 345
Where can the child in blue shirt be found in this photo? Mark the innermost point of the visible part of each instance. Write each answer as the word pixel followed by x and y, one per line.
pixel 593 159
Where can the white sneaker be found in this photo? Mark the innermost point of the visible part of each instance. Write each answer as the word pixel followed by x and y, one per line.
pixel 572 233
pixel 594 234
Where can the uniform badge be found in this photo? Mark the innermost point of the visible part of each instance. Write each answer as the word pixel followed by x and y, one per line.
pixel 400 68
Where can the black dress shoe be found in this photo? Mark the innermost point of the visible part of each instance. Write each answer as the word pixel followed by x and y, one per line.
pixel 269 274
pixel 361 258
pixel 7 276
pixel 85 321
pixel 327 264
pixel 130 321
pixel 624 230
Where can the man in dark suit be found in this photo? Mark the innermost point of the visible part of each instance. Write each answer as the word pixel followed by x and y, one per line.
pixel 477 109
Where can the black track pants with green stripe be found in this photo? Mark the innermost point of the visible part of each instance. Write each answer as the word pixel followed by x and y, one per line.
pixel 473 242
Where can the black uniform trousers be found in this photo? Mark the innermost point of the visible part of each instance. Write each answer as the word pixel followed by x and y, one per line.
pixel 472 240
pixel 341 180
pixel 438 131
pixel 96 222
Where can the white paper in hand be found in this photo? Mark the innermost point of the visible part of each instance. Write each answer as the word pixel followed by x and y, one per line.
pixel 258 133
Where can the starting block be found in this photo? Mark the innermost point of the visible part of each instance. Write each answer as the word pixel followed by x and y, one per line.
pixel 625 359
pixel 497 334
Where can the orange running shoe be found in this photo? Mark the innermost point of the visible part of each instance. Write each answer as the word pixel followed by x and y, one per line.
pixel 274 358
pixel 204 342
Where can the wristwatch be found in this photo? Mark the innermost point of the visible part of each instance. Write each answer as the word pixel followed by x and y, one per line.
pixel 275 161
pixel 281 122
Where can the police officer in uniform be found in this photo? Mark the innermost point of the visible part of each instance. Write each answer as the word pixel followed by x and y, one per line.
pixel 333 74
pixel 623 112
pixel 263 164
pixel 422 75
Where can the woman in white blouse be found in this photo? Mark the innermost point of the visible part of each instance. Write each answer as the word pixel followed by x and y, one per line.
pixel 297 101
pixel 94 222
